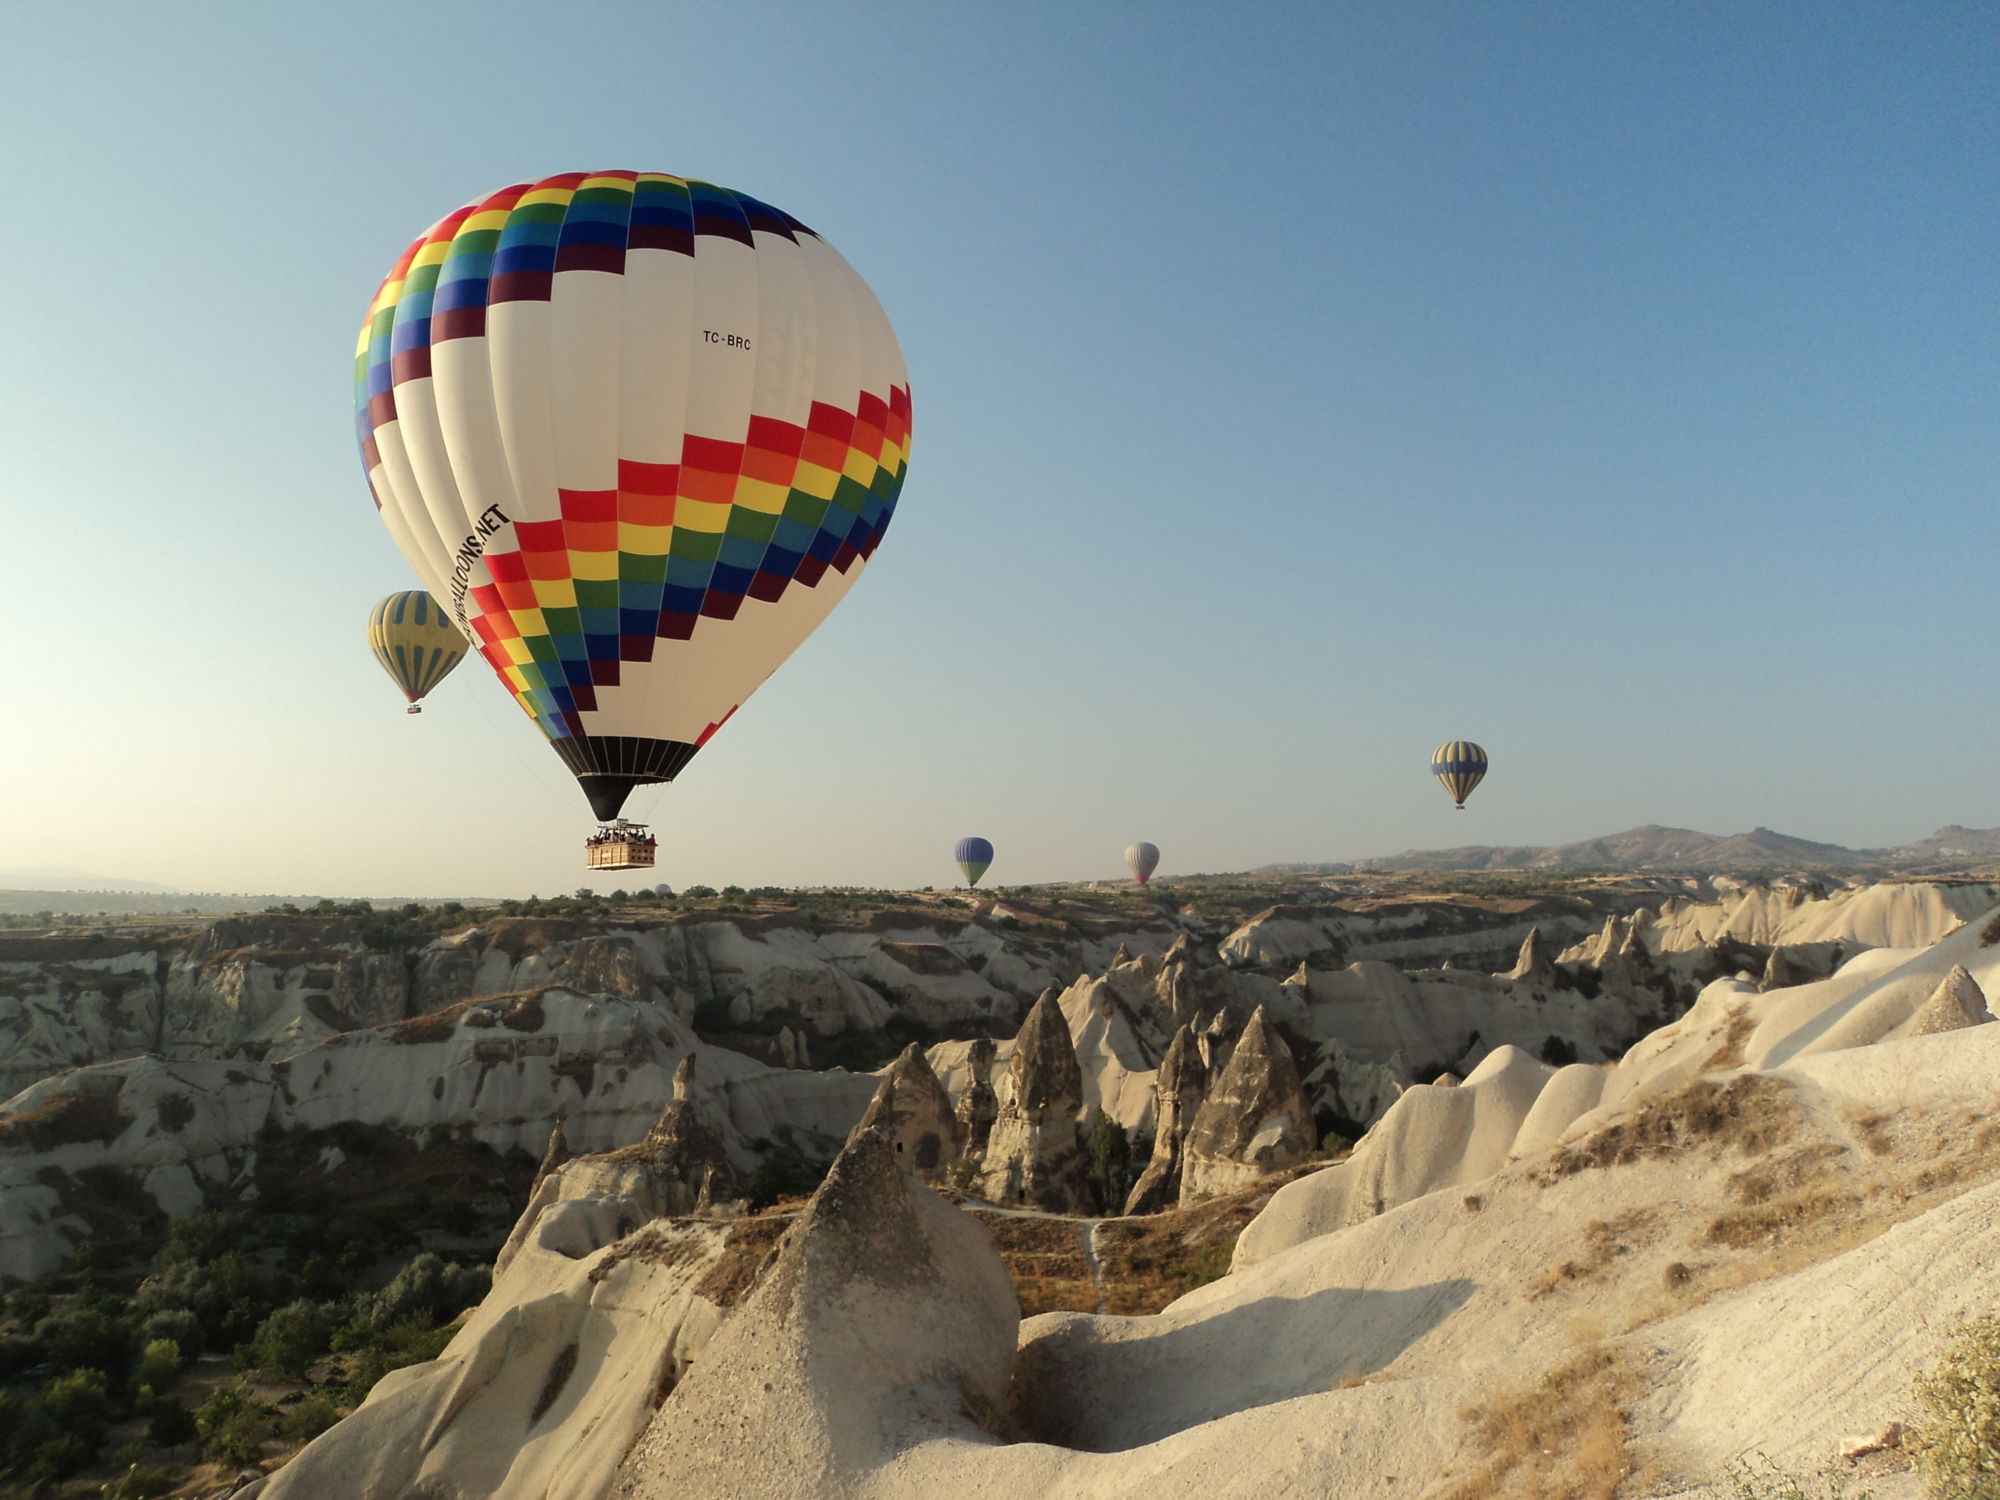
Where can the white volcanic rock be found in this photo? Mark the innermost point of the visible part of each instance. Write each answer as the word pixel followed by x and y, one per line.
pixel 1034 1157
pixel 1431 1138
pixel 1254 1121
pixel 1336 1364
pixel 591 1320
pixel 1956 1002
pixel 887 1320
pixel 912 1110
pixel 1899 914
pixel 1428 930
pixel 1179 1086
pixel 498 1071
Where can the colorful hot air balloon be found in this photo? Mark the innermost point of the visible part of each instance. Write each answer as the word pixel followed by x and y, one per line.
pixel 416 644
pixel 640 434
pixel 973 856
pixel 1459 766
pixel 1142 859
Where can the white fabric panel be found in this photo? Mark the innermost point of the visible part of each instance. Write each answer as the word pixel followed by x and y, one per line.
pixel 518 335
pixel 430 461
pixel 462 385
pixel 653 358
pixel 398 488
pixel 720 376
pixel 787 336
pixel 587 323
pixel 837 372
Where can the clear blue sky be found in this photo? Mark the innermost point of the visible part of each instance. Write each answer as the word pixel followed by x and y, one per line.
pixel 1296 386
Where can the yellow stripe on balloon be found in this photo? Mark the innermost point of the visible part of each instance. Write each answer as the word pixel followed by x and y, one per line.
pixel 593 565
pixel 761 496
pixel 815 481
pixel 700 515
pixel 645 541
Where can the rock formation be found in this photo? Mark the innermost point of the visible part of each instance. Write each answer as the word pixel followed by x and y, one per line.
pixel 556 1153
pixel 1778 973
pixel 686 1153
pixel 1956 1003
pixel 1537 962
pixel 912 1108
pixel 1255 1120
pixel 1177 1098
pixel 1035 1155
pixel 886 1320
pixel 979 1106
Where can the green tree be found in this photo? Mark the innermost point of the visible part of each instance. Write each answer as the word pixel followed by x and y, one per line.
pixel 310 1418
pixel 287 1341
pixel 158 1365
pixel 1110 1162
pixel 231 1425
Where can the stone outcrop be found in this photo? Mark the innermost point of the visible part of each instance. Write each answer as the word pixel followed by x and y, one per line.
pixel 686 1153
pixel 978 1106
pixel 1255 1120
pixel 1177 1097
pixel 1778 972
pixel 913 1110
pixel 1537 961
pixel 886 1320
pixel 1956 1003
pixel 1035 1153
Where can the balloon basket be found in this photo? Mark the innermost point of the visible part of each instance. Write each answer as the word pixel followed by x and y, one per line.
pixel 620 846
pixel 414 708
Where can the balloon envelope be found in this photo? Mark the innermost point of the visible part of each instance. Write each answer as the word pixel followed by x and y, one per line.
pixel 973 856
pixel 1142 859
pixel 415 641
pixel 639 434
pixel 1459 766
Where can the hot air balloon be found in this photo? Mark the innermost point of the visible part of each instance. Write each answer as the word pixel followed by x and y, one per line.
pixel 973 856
pixel 416 644
pixel 1459 766
pixel 640 433
pixel 1142 859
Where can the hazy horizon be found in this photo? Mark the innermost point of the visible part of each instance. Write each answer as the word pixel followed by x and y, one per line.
pixel 1293 391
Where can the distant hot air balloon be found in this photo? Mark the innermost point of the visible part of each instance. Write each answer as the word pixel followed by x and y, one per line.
pixel 1459 766
pixel 1142 859
pixel 416 644
pixel 640 434
pixel 973 856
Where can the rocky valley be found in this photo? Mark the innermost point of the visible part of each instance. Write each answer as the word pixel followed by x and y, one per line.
pixel 1298 1167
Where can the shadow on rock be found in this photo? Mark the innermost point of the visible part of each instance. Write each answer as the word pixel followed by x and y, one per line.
pixel 1107 1384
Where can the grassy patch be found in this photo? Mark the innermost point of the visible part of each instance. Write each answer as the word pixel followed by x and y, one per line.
pixel 1569 1434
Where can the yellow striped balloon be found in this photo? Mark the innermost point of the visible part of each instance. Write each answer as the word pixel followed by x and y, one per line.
pixel 1459 766
pixel 415 641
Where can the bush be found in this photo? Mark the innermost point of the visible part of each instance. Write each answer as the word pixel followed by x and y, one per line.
pixel 430 1289
pixel 158 1365
pixel 1958 1434
pixel 287 1341
pixel 171 1425
pixel 310 1418
pixel 232 1426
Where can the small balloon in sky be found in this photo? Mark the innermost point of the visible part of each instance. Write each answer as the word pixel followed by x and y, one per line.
pixel 639 434
pixel 1142 859
pixel 416 643
pixel 1459 766
pixel 973 856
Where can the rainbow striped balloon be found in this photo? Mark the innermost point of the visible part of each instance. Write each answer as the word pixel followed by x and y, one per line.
pixel 639 434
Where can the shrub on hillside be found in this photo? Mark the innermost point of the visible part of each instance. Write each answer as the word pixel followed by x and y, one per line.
pixel 1958 1435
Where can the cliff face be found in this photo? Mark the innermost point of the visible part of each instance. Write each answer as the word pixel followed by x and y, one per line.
pixel 497 1073
pixel 166 1058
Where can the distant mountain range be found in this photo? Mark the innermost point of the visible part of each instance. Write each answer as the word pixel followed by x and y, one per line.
pixel 1656 848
